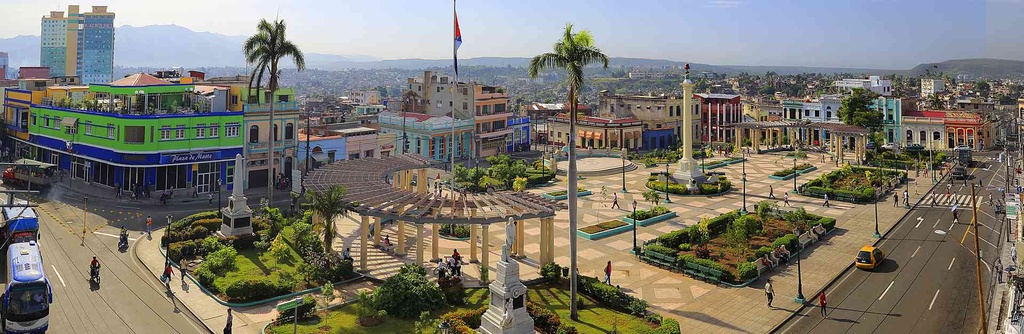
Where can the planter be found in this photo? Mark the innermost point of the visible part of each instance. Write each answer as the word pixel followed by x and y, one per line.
pixel 790 176
pixel 651 220
pixel 723 163
pixel 605 233
pixel 556 198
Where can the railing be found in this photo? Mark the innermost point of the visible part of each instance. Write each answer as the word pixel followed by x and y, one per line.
pixel 278 145
pixel 119 109
pixel 265 107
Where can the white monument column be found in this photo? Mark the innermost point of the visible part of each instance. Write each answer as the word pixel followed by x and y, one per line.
pixel 688 172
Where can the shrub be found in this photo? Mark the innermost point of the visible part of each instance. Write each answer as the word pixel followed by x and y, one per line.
pixel 185 249
pixel 685 247
pixel 205 277
pixel 746 270
pixel 727 275
pixel 244 241
pixel 788 240
pixel 183 234
pixel 647 214
pixel 454 292
pixel 656 248
pixel 766 208
pixel 551 272
pixel 668 326
pixel 305 309
pixel 407 293
pixel 221 261
pixel 455 230
pixel 612 297
pixel 187 221
pixel 545 320
pixel 212 224
pixel 212 244
pixel 762 251
pixel 256 288
pixel 749 224
pixel 280 250
pixel 827 222
pixel 469 317
pixel 674 239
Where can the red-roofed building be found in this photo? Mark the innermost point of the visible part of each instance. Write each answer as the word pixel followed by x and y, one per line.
pixel 597 132
pixel 138 80
pixel 946 129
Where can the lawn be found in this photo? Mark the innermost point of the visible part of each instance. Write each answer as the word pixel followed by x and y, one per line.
pixel 593 319
pixel 249 263
pixel 603 226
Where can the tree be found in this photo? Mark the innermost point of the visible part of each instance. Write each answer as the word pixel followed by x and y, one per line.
pixel 700 235
pixel 737 237
pixel 983 88
pixel 856 110
pixel 328 204
pixel 264 50
pixel 935 102
pixel 652 196
pixel 572 52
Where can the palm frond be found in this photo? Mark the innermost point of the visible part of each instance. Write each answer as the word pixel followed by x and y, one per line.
pixel 545 61
pixel 289 49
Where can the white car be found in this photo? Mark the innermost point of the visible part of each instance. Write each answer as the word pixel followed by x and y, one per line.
pixel 889 146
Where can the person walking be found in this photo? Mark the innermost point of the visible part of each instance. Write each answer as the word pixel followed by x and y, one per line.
pixel 168 272
pixel 771 192
pixel 615 201
pixel 608 273
pixel 149 225
pixel 895 200
pixel 826 202
pixel 956 219
pixel 906 198
pixel 769 291
pixel 822 303
pixel 227 324
pixel 999 271
pixel 785 198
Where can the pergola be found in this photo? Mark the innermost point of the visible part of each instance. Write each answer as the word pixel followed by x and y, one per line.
pixel 370 194
pixel 838 130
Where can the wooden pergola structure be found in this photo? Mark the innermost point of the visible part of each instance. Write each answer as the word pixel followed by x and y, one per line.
pixel 383 189
pixel 840 133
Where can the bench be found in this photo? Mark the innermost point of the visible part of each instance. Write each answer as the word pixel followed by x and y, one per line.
pixel 819 230
pixel 761 268
pixel 846 198
pixel 713 275
pixel 805 239
pixel 694 269
pixel 663 260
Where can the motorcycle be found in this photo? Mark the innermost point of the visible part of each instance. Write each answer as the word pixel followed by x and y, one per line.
pixel 122 244
pixel 94 274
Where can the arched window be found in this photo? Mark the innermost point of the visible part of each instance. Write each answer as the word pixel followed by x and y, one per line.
pixel 289 131
pixel 910 137
pixel 276 137
pixel 923 138
pixel 254 134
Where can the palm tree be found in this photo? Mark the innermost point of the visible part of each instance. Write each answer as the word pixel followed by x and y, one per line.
pixel 265 50
pixel 572 53
pixel 328 205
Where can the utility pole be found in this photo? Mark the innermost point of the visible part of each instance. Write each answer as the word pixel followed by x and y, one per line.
pixel 977 262
pixel 85 215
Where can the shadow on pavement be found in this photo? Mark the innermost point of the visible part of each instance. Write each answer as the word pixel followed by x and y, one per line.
pixel 703 317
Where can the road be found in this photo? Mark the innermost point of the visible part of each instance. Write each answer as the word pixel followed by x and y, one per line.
pixel 128 300
pixel 927 284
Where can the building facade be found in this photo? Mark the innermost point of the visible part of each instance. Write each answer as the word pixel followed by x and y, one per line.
pixel 491 134
pixel 598 132
pixel 258 131
pixel 873 83
pixel 520 138
pixel 891 109
pixel 438 95
pixel 79 44
pixel 661 116
pixel 428 136
pixel 717 112
pixel 931 86
pixel 925 128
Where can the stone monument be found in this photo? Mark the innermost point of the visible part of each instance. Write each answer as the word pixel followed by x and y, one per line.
pixel 237 217
pixel 506 311
pixel 689 171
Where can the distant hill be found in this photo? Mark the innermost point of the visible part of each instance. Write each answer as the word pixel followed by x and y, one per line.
pixel 975 67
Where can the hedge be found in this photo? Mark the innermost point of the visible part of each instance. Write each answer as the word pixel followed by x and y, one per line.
pixel 256 288
pixel 668 326
pixel 682 260
pixel 469 317
pixel 212 224
pixel 190 233
pixel 187 221
pixel 716 226
pixel 790 241
pixel 788 171
pixel 746 270
pixel 656 248
pixel 764 250
pixel 306 309
pixel 537 179
pixel 612 297
pixel 827 222
pixel 647 214
pixel 188 248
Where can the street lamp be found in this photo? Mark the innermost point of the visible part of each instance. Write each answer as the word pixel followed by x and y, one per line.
pixel 166 260
pixel 220 205
pixel 878 190
pixel 667 200
pixel 636 251
pixel 799 277
pixel 624 151
pixel 795 175
pixel 444 328
pixel 743 161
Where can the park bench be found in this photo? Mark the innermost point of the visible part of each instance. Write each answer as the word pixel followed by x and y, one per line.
pixel 846 198
pixel 806 239
pixel 713 275
pixel 819 230
pixel 761 268
pixel 660 259
pixel 694 270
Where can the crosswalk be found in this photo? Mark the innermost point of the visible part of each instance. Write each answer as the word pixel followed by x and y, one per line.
pixel 963 201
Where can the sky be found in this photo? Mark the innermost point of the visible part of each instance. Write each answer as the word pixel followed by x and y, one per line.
pixel 881 34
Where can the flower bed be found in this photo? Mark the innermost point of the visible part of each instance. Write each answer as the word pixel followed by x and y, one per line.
pixel 790 173
pixel 797 154
pixel 766 229
pixel 646 214
pixel 650 220
pixel 563 194
pixel 604 230
pixel 719 186
pixel 851 184
pixel 722 163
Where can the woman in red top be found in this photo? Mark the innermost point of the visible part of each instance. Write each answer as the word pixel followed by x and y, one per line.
pixel 822 302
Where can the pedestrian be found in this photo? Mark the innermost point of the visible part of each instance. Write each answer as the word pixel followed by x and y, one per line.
pixel 826 202
pixel 615 201
pixel 956 219
pixel 209 198
pixel 822 303
pixel 785 198
pixel 906 198
pixel 149 225
pixel 227 324
pixel 168 272
pixel 999 272
pixel 771 192
pixel 895 200
pixel 608 273
pixel 769 291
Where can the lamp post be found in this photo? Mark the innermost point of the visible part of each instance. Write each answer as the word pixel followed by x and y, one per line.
pixel 220 205
pixel 743 161
pixel 667 200
pixel 636 251
pixel 444 328
pixel 795 175
pixel 877 235
pixel 799 278
pixel 169 217
pixel 624 170
pixel 930 170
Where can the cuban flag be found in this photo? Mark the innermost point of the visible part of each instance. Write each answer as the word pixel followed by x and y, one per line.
pixel 458 43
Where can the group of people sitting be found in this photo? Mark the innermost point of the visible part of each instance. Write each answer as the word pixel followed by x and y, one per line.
pixel 775 257
pixel 449 266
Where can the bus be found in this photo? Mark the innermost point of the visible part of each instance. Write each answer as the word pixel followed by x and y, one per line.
pixel 963 155
pixel 30 173
pixel 27 298
pixel 21 224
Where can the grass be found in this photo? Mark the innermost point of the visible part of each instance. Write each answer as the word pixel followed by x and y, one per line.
pixel 249 263
pixel 593 319
pixel 596 228
pixel 565 192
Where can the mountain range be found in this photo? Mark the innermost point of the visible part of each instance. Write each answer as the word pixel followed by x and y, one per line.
pixel 171 45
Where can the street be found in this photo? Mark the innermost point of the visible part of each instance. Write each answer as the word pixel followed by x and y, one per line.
pixel 128 299
pixel 927 284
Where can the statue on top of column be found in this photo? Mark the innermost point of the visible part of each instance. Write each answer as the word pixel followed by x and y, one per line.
pixel 510 237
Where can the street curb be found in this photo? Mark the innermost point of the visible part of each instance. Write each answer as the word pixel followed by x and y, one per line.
pixel 832 281
pixel 135 254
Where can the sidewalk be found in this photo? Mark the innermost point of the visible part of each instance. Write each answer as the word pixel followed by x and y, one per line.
pixel 77 189
pixel 247 320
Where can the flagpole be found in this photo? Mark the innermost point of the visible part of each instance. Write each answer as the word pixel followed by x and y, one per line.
pixel 455 68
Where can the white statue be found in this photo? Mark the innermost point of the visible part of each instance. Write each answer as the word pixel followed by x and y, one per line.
pixel 507 318
pixel 510 237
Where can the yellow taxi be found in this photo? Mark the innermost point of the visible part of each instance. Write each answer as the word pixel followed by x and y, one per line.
pixel 869 257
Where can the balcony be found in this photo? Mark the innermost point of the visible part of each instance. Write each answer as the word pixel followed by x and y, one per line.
pixel 150 106
pixel 265 107
pixel 278 145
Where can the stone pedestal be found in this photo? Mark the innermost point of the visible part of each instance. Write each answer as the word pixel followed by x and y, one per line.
pixel 506 311
pixel 237 215
pixel 689 173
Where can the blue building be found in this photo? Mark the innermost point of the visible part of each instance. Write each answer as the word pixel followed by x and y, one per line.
pixel 519 139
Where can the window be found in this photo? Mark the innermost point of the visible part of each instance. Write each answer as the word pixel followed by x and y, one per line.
pixel 465 106
pixel 438 89
pixel 111 129
pixel 231 129
pixel 289 131
pixel 179 133
pixel 936 135
pixel 214 127
pixel 71 130
pixel 201 130
pixel 276 137
pixel 88 127
pixel 165 132
pixel 921 139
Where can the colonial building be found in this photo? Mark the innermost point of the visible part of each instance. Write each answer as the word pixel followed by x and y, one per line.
pixel 925 128
pixel 491 134
pixel 717 111
pixel 662 116
pixel 426 135
pixel 598 132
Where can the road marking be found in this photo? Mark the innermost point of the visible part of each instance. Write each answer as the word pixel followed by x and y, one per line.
pixel 951 264
pixel 886 290
pixel 58 276
pixel 951 228
pixel 936 223
pixel 940 232
pixel 986 265
pixel 933 299
pixel 113 236
pixel 919 220
pixel 915 252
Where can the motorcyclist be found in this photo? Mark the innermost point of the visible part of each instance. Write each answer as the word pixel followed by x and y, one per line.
pixel 123 237
pixel 94 267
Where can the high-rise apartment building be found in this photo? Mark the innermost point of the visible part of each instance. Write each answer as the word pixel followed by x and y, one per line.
pixel 79 44
pixel 4 65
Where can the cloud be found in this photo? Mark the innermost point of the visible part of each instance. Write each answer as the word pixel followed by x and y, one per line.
pixel 723 4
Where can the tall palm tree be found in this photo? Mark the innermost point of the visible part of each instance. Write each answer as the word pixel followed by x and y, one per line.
pixel 328 205
pixel 265 50
pixel 571 53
